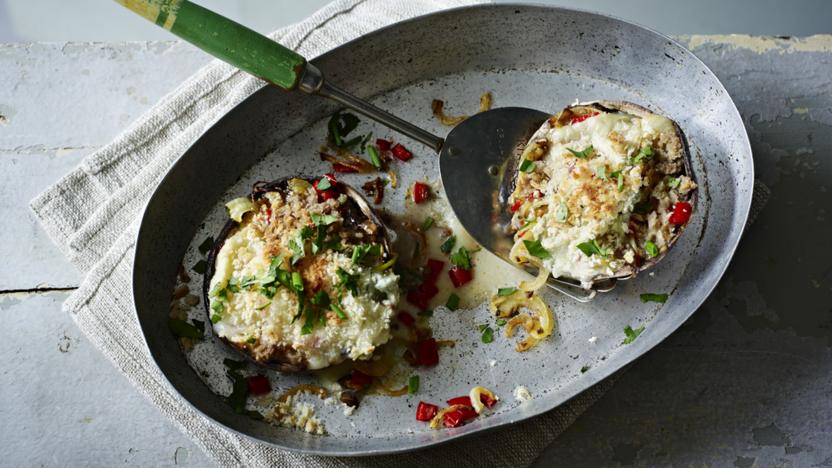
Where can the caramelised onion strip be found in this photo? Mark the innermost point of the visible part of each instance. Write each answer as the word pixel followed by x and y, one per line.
pixel 538 282
pixel 350 160
pixel 303 388
pixel 485 102
pixel 438 108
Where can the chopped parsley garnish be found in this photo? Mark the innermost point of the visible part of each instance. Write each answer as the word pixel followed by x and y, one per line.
pixel 200 267
pixel 183 329
pixel 673 182
pixel 584 369
pixel 501 322
pixel 448 245
pixel 453 302
pixel 620 177
pixel 506 291
pixel 297 281
pixel 487 334
pixel 338 311
pixel 215 318
pixel 359 252
pixel 208 243
pixel 535 249
pixel 583 153
pixel 309 321
pixel 461 258
pixel 427 223
pixel 645 153
pixel 413 384
pixel 323 184
pixel 248 281
pixel 649 297
pixel 347 281
pixel 651 248
pixel 590 248
pixel 217 308
pixel 561 213
pixel 321 300
pixel 340 125
pixel 526 166
pixel 298 248
pixel 375 159
pixel 630 335
pixel 365 140
pixel 233 285
pixel 251 340
pixel 323 219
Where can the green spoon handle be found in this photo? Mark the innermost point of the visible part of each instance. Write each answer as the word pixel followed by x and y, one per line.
pixel 224 39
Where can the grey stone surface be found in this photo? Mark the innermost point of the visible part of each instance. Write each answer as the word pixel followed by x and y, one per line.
pixel 746 381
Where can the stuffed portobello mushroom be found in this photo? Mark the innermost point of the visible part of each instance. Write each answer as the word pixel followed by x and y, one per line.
pixel 602 190
pixel 302 276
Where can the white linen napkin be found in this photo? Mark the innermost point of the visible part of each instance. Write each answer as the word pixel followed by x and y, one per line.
pixel 92 215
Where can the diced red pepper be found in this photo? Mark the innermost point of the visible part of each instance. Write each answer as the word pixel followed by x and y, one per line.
pixel 329 193
pixel 406 318
pixel 383 145
pixel 460 276
pixel 342 168
pixel 360 379
pixel 460 400
pixel 516 205
pixel 681 213
pixel 580 118
pixel 400 152
pixel 427 353
pixel 258 385
pixel 426 411
pixel 535 194
pixel 433 269
pixel 456 417
pixel 487 401
pixel 420 192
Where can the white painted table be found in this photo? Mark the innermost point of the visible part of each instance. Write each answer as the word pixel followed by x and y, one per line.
pixel 748 379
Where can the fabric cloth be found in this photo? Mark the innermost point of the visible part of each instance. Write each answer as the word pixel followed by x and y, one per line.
pixel 92 215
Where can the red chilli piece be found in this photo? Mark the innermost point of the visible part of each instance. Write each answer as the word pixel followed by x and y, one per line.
pixel 460 400
pixel 681 213
pixel 456 417
pixel 400 152
pixel 460 276
pixel 426 411
pixel 406 318
pixel 258 385
pixel 516 205
pixel 421 192
pixel 488 402
pixel 580 118
pixel 343 168
pixel 383 145
pixel 433 269
pixel 427 352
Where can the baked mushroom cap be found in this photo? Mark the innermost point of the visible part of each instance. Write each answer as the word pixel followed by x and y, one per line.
pixel 302 278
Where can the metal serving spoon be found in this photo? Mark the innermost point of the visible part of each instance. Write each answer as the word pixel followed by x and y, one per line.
pixel 475 151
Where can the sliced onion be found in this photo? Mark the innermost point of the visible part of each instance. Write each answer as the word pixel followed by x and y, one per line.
pixel 475 395
pixel 537 283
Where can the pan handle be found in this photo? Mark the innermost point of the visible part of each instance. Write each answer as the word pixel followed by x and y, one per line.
pixel 254 53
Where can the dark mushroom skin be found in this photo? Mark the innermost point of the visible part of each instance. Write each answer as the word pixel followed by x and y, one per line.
pixel 359 218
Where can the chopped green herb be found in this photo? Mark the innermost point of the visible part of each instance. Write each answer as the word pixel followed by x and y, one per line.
pixel 535 249
pixel 662 298
pixel 501 322
pixel 375 159
pixel 347 281
pixel 239 392
pixel 448 245
pixel 251 340
pixel 208 243
pixel 413 384
pixel 601 172
pixel 338 311
pixel 487 334
pixel 526 166
pixel 590 248
pixel 183 329
pixel 200 267
pixel 461 258
pixel 651 248
pixel 309 321
pixel 386 265
pixel 561 213
pixel 297 246
pixel 506 291
pixel 583 153
pixel 674 182
pixel 324 184
pixel 645 153
pixel 297 281
pixel 630 335
pixel 365 140
pixel 427 223
pixel 453 302
pixel 340 125
pixel 215 317
pixel 584 369
pixel 320 299
pixel 248 281
pixel 620 177
pixel 323 219
pixel 233 285
pixel 363 250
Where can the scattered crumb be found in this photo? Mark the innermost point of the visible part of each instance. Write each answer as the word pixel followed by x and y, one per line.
pixel 492 363
pixel 593 339
pixel 296 416
pixel 652 273
pixel 521 393
pixel 348 410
